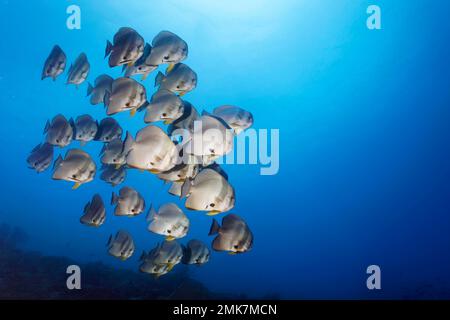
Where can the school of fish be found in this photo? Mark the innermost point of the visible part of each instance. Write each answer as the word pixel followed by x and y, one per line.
pixel 182 154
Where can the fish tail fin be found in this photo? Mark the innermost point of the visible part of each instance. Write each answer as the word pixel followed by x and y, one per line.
pixel 143 106
pixel 47 126
pixel 186 254
pixel 214 228
pixel 127 143
pixel 114 198
pixel 102 150
pixel 143 256
pixel 86 207
pixel 108 48
pixel 185 188
pixel 109 241
pixel 106 98
pixel 151 215
pixel 159 78
pixel 90 88
pixel 57 161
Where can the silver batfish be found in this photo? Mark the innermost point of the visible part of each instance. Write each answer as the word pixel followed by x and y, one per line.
pixel 233 236
pixel 41 157
pixel 121 245
pixel 59 131
pixel 77 167
pixel 169 221
pixel 54 64
pixel 102 85
pixel 129 202
pixel 94 212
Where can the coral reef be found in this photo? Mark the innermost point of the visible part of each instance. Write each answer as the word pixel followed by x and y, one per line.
pixel 32 275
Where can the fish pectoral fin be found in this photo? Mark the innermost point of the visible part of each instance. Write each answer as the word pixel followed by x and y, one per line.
pixel 132 112
pixel 130 64
pixel 76 186
pixel 170 238
pixel 232 253
pixel 170 68
pixel 213 213
pixel 154 171
pixel 168 121
pixel 182 93
pixel 117 166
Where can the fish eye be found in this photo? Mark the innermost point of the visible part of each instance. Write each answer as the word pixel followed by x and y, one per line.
pixel 178 87
pixel 170 260
pixel 179 175
pixel 169 231
pixel 212 205
pixel 166 57
pixel 127 104
pixel 152 163
pixel 236 246
pixel 74 176
pixel 164 114
pixel 133 210
pixel 57 140
pixel 114 160
pixel 139 68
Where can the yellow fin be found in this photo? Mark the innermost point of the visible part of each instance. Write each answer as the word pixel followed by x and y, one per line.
pixel 130 64
pixel 154 171
pixel 182 93
pixel 170 238
pixel 132 112
pixel 169 68
pixel 232 252
pixel 213 213
pixel 170 266
pixel 117 166
pixel 76 186
pixel 169 121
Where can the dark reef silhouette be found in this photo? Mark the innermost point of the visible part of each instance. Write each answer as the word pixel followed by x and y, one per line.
pixel 31 275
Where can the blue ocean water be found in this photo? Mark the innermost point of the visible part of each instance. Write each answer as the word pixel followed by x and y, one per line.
pixel 363 118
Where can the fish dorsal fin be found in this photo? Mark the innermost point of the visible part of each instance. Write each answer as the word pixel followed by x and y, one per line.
pixel 170 208
pixel 97 200
pixel 58 162
pixel 152 214
pixel 216 167
pixel 123 31
pixel 162 35
pixel 215 227
pixel 76 152
pixel 36 148
pixel 206 175
pixel 161 93
pixel 213 120
pixel 150 132
pixel 86 207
